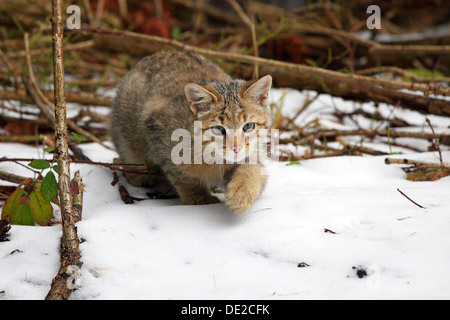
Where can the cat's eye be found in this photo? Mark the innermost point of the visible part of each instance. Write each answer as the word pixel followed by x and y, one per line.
pixel 218 130
pixel 249 126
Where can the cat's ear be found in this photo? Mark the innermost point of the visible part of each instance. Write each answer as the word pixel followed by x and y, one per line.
pixel 259 90
pixel 198 96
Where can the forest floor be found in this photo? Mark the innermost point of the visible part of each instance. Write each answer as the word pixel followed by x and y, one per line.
pixel 324 228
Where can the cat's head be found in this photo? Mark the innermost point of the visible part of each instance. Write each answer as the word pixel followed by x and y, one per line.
pixel 232 115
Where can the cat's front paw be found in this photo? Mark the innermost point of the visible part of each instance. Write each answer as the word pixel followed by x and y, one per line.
pixel 239 196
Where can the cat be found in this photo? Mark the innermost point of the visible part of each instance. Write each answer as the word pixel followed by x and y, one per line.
pixel 171 90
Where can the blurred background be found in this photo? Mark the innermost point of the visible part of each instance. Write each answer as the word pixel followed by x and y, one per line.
pixel 410 46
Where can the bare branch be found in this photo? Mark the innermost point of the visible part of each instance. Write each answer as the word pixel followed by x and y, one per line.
pixel 70 252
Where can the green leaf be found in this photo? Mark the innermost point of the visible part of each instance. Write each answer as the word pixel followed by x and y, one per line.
pixel 55 168
pixel 39 164
pixel 41 209
pixel 49 187
pixel 153 167
pixel 215 189
pixel 176 33
pixel 12 203
pixel 311 63
pixel 78 137
pixel 393 153
pixel 49 149
pixel 426 73
pixel 292 163
pixel 22 215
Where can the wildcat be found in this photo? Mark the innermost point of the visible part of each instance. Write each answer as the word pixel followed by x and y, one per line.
pixel 170 90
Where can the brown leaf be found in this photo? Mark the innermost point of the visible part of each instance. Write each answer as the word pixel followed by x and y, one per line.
pixel 74 188
pixel 115 179
pixel 20 128
pixel 4 229
pixel 125 196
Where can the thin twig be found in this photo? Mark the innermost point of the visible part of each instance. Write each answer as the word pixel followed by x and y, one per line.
pixel 123 8
pixel 112 166
pixel 410 199
pixel 388 117
pixel 99 13
pixel 35 52
pixel 198 16
pixel 10 69
pixel 158 8
pixel 305 105
pixel 33 87
pixel 90 14
pixel 436 142
pixel 246 19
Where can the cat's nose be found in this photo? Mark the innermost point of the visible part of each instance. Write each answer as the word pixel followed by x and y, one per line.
pixel 236 149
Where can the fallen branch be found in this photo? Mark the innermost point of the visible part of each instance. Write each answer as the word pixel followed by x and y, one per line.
pixel 31 139
pixel 348 150
pixel 422 171
pixel 11 177
pixel 416 163
pixel 285 74
pixel 83 98
pixel 35 52
pixel 329 134
pixel 417 50
pixel 349 79
pixel 359 92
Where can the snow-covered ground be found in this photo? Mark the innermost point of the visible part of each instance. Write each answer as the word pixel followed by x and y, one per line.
pixel 282 248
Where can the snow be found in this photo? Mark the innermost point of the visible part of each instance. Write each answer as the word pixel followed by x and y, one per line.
pixel 160 249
